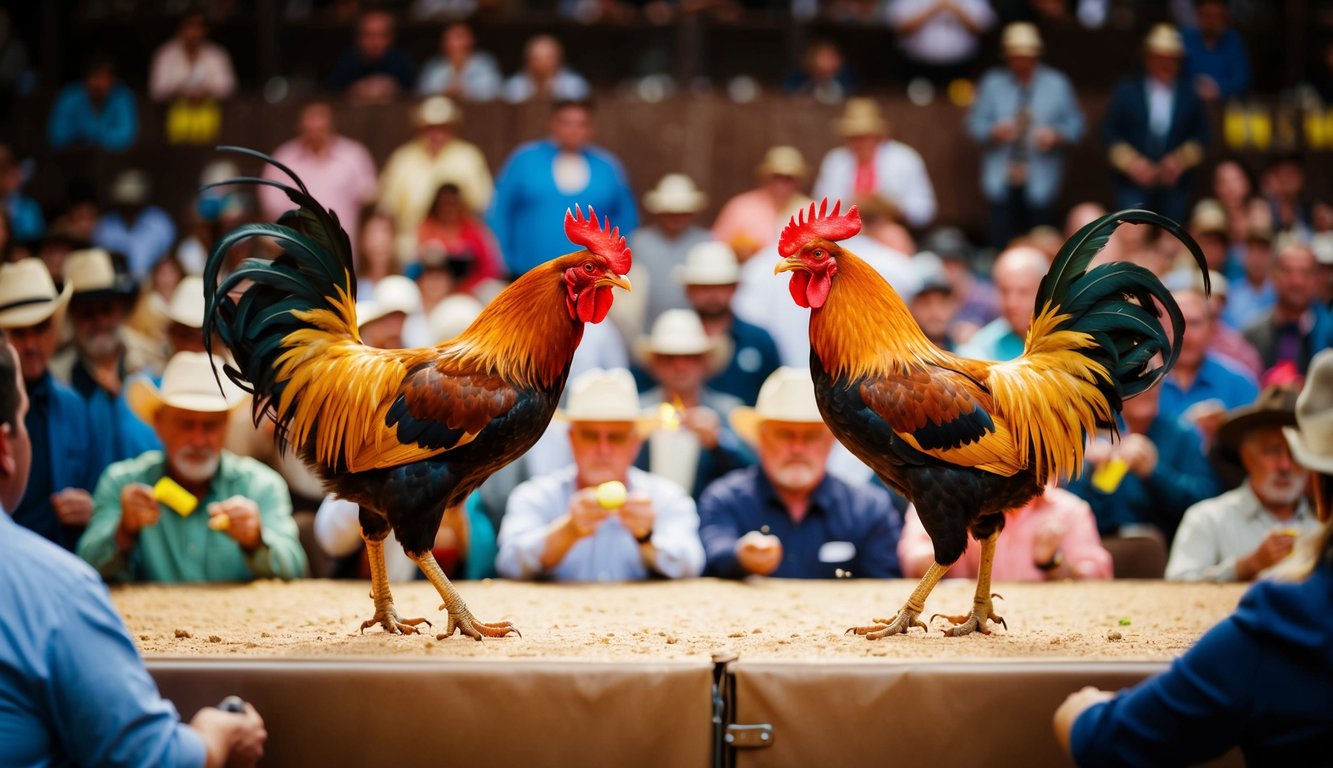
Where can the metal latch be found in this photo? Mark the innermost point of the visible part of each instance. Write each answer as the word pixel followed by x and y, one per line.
pixel 749 736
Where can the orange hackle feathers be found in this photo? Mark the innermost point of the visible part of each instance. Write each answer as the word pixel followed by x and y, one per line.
pixel 820 224
pixel 606 243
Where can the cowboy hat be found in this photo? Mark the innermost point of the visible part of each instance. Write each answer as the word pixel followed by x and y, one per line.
pixel 28 294
pixel 787 395
pixel 452 316
pixel 680 332
pixel 861 117
pixel 187 302
pixel 94 276
pixel 1311 440
pixel 710 263
pixel 437 110
pixel 675 193
pixel 1021 39
pixel 606 395
pixel 783 161
pixel 1275 406
pixel 188 383
pixel 1164 40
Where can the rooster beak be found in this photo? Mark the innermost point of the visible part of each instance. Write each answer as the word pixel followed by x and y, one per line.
pixel 619 281
pixel 788 265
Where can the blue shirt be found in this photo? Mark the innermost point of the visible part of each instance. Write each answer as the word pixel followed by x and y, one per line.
pixel 861 516
pixel 754 357
pixel 73 689
pixel 1247 305
pixel 1217 379
pixel 1262 679
pixel 62 457
pixel 994 341
pixel 1227 63
pixel 75 122
pixel 143 241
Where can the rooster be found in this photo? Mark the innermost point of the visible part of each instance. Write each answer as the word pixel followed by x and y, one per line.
pixel 405 433
pixel 967 440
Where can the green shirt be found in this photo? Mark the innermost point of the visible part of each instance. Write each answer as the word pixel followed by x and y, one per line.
pixel 181 549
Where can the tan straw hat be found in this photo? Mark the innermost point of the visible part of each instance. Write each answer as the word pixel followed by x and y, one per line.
pixel 861 117
pixel 28 294
pixel 188 383
pixel 1311 440
pixel 437 110
pixel 787 395
pixel 1021 38
pixel 94 275
pixel 675 193
pixel 187 302
pixel 1164 40
pixel 606 395
pixel 452 316
pixel 710 263
pixel 783 161
pixel 680 332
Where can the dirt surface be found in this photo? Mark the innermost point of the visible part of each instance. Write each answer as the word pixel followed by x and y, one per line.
pixel 766 619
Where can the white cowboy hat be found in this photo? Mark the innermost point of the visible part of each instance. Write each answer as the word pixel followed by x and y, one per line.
pixel 1021 38
pixel 28 294
pixel 783 161
pixel 710 263
pixel 861 117
pixel 452 316
pixel 1311 440
pixel 398 294
pixel 680 332
pixel 188 383
pixel 787 395
pixel 437 110
pixel 675 193
pixel 93 275
pixel 187 302
pixel 606 395
pixel 1164 39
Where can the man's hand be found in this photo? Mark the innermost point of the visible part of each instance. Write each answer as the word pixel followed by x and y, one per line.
pixel 138 508
pixel 1139 453
pixel 1004 132
pixel 1206 87
pixel 1142 172
pixel 585 514
pixel 1171 168
pixel 1275 546
pixel 638 515
pixel 759 553
pixel 243 520
pixel 704 423
pixel 73 506
pixel 1074 706
pixel 232 739
pixel 1046 538
pixel 1044 138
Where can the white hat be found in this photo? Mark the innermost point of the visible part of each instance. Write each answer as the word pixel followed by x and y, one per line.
pixel 93 275
pixel 398 294
pixel 437 110
pixel 188 383
pixel 28 294
pixel 130 187
pixel 710 263
pixel 680 332
pixel 675 193
pixel 452 316
pixel 1021 38
pixel 602 395
pixel 787 395
pixel 187 302
pixel 1311 440
pixel 1164 39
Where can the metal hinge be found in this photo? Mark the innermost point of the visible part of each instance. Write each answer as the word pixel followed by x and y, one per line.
pixel 749 736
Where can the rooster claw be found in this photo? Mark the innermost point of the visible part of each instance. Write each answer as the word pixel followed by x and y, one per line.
pixel 463 623
pixel 905 620
pixel 393 624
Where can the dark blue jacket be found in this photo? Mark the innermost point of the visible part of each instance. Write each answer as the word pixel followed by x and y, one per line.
pixel 754 357
pixel 1127 119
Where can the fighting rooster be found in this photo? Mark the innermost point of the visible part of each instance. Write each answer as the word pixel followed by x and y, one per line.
pixel 405 433
pixel 968 440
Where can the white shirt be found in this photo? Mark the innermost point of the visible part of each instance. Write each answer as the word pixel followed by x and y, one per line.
pixel 900 177
pixel 173 72
pixel 1217 532
pixel 943 39
pixel 1160 98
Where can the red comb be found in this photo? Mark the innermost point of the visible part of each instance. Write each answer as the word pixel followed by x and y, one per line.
pixel 801 230
pixel 606 243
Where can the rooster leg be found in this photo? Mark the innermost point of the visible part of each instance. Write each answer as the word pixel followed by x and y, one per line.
pixel 982 609
pixel 907 615
pixel 460 618
pixel 385 615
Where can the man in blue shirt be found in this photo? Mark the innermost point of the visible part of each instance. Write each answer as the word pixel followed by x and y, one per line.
pixel 97 112
pixel 1215 56
pixel 788 517
pixel 1203 385
pixel 75 690
pixel 1017 274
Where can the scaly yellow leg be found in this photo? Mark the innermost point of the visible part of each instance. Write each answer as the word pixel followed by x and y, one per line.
pixel 982 608
pixel 907 615
pixel 460 618
pixel 385 615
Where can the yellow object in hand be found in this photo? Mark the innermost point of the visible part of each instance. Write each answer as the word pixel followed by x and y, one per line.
pixel 612 495
pixel 176 498
pixel 1107 477
pixel 219 522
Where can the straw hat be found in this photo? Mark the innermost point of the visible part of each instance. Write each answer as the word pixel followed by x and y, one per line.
pixel 1021 39
pixel 680 332
pixel 188 383
pixel 437 110
pixel 1275 406
pixel 787 395
pixel 398 294
pixel 187 302
pixel 1189 279
pixel 1311 440
pixel 710 263
pixel 93 276
pixel 1164 40
pixel 28 294
pixel 130 187
pixel 602 395
pixel 1209 217
pixel 783 161
pixel 452 316
pixel 861 117
pixel 675 193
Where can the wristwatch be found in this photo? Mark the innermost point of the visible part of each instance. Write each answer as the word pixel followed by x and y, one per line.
pixel 1057 560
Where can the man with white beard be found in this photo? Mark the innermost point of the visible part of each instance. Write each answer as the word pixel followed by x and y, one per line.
pixel 1242 533
pixel 788 517
pixel 192 511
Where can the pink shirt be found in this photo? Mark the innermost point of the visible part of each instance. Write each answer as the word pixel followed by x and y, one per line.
pixel 342 178
pixel 1082 547
pixel 750 218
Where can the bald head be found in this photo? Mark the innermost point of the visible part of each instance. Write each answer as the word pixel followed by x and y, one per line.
pixel 1017 274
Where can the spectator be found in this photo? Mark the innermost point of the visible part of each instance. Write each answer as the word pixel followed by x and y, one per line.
pixel 460 71
pixel 1024 115
pixel 934 306
pixel 873 163
pixel 1297 326
pixel 544 75
pixel 940 36
pixel 373 70
pixel 752 220
pixel 543 179
pixel 824 74
pixel 75 688
pixel 1283 186
pixel 340 168
pixel 189 66
pixel 98 112
pixel 1156 130
pixel 1234 188
pixel 414 172
pixel 1203 385
pixel 1227 342
pixel 469 247
pixel 561 526
pixel 1242 533
pixel 1215 55
pixel 1017 273
pixel 978 301
pixel 64 469
pixel 787 517
pixel 1251 295
pixel 238 523
pixel 680 356
pixel 710 276
pixel 1209 228
pixel 133 225
pixel 26 222
pixel 1052 537
pixel 660 247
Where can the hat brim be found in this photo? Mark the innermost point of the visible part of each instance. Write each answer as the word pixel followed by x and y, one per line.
pixel 716 356
pixel 745 422
pixel 685 277
pixel 28 315
pixel 1234 428
pixel 146 401
pixel 655 204
pixel 1304 455
pixel 644 425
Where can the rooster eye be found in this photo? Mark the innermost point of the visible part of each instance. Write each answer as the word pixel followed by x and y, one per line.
pixel 587 267
pixel 818 253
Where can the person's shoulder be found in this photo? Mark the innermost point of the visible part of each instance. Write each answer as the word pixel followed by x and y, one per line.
pixel 1218 509
pixel 722 402
pixel 733 487
pixel 1225 369
pixel 136 468
pixel 544 486
pixel 28 556
pixel 660 489
pixel 866 498
pixel 1298 613
pixel 252 468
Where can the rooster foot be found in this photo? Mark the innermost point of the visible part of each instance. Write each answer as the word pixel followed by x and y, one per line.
pixel 905 620
pixel 463 623
pixel 393 623
pixel 973 622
